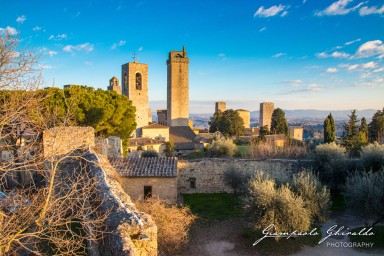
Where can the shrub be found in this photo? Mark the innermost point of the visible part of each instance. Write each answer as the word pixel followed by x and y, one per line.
pixel 331 164
pixel 372 156
pixel 364 195
pixel 172 222
pixel 221 146
pixel 149 153
pixel 268 151
pixel 316 196
pixel 266 204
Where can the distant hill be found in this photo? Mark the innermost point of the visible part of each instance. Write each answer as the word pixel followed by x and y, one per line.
pixel 292 116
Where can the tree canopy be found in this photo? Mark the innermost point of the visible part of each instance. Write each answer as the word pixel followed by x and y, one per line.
pixel 376 127
pixel 106 111
pixel 279 124
pixel 229 123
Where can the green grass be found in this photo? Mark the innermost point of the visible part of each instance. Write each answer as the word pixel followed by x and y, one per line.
pixel 270 246
pixel 377 239
pixel 216 207
pixel 242 151
pixel 195 155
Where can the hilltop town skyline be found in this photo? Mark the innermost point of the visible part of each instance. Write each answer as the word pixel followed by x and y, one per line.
pixel 324 55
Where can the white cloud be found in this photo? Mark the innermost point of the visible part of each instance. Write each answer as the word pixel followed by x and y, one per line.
pixel 59 37
pixel 262 29
pixel 52 53
pixel 44 66
pixel 280 54
pixel 379 70
pixel 140 49
pixel 86 47
pixel 353 41
pixel 271 11
pixel 8 30
pixel 371 10
pixel 331 70
pixel 88 63
pixel 118 44
pixel 222 56
pixel 37 28
pixel 21 19
pixel 359 67
pixel 304 1
pixel 338 8
pixel 370 49
pixel 296 82
pixel 336 54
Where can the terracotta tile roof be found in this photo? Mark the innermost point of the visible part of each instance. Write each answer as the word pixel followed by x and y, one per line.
pixel 145 166
pixel 155 126
pixel 183 137
pixel 143 142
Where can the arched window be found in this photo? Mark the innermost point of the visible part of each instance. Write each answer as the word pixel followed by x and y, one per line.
pixel 139 81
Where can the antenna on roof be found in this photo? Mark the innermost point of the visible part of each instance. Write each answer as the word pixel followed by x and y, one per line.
pixel 135 57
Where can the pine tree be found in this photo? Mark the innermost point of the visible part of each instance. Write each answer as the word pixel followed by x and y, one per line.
pixel 376 127
pixel 329 129
pixel 229 123
pixel 279 124
pixel 351 135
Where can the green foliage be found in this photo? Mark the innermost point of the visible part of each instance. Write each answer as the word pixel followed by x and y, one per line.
pixel 169 148
pixel 279 124
pixel 363 131
pixel 235 178
pixel 106 111
pixel 372 156
pixel 316 196
pixel 354 135
pixel 262 133
pixel 364 195
pixel 229 123
pixel 329 129
pixel 328 152
pixel 221 146
pixel 268 204
pixel 149 153
pixel 376 127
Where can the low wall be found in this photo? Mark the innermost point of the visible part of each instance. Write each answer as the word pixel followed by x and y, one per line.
pixel 207 174
pixel 62 140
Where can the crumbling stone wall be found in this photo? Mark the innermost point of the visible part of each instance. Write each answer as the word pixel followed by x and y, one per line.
pixel 62 140
pixel 207 174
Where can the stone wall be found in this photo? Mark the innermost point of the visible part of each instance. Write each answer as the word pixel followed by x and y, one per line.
pixel 207 174
pixel 62 140
pixel 125 225
pixel 164 188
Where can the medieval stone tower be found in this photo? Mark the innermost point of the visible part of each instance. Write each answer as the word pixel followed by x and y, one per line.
pixel 114 85
pixel 134 77
pixel 220 105
pixel 177 88
pixel 265 114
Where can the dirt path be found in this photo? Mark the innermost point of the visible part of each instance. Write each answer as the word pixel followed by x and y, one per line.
pixel 225 239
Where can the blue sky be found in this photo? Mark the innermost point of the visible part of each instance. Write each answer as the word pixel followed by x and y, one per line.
pixel 304 54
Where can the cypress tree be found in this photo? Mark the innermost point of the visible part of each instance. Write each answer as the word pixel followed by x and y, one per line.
pixel 329 129
pixel 279 124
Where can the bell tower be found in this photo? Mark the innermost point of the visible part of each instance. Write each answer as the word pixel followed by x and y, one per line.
pixel 177 88
pixel 134 77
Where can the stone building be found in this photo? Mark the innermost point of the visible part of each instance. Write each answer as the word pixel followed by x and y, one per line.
pixel 184 139
pixel 296 132
pixel 156 132
pixel 162 116
pixel 114 85
pixel 265 114
pixel 148 176
pixel 246 116
pixel 220 105
pixel 134 77
pixel 177 88
pixel 138 145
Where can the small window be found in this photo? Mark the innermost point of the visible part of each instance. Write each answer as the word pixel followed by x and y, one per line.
pixel 192 182
pixel 147 192
pixel 139 82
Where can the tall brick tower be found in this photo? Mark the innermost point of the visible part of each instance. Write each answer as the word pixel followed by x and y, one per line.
pixel 114 85
pixel 220 105
pixel 177 88
pixel 265 114
pixel 134 77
